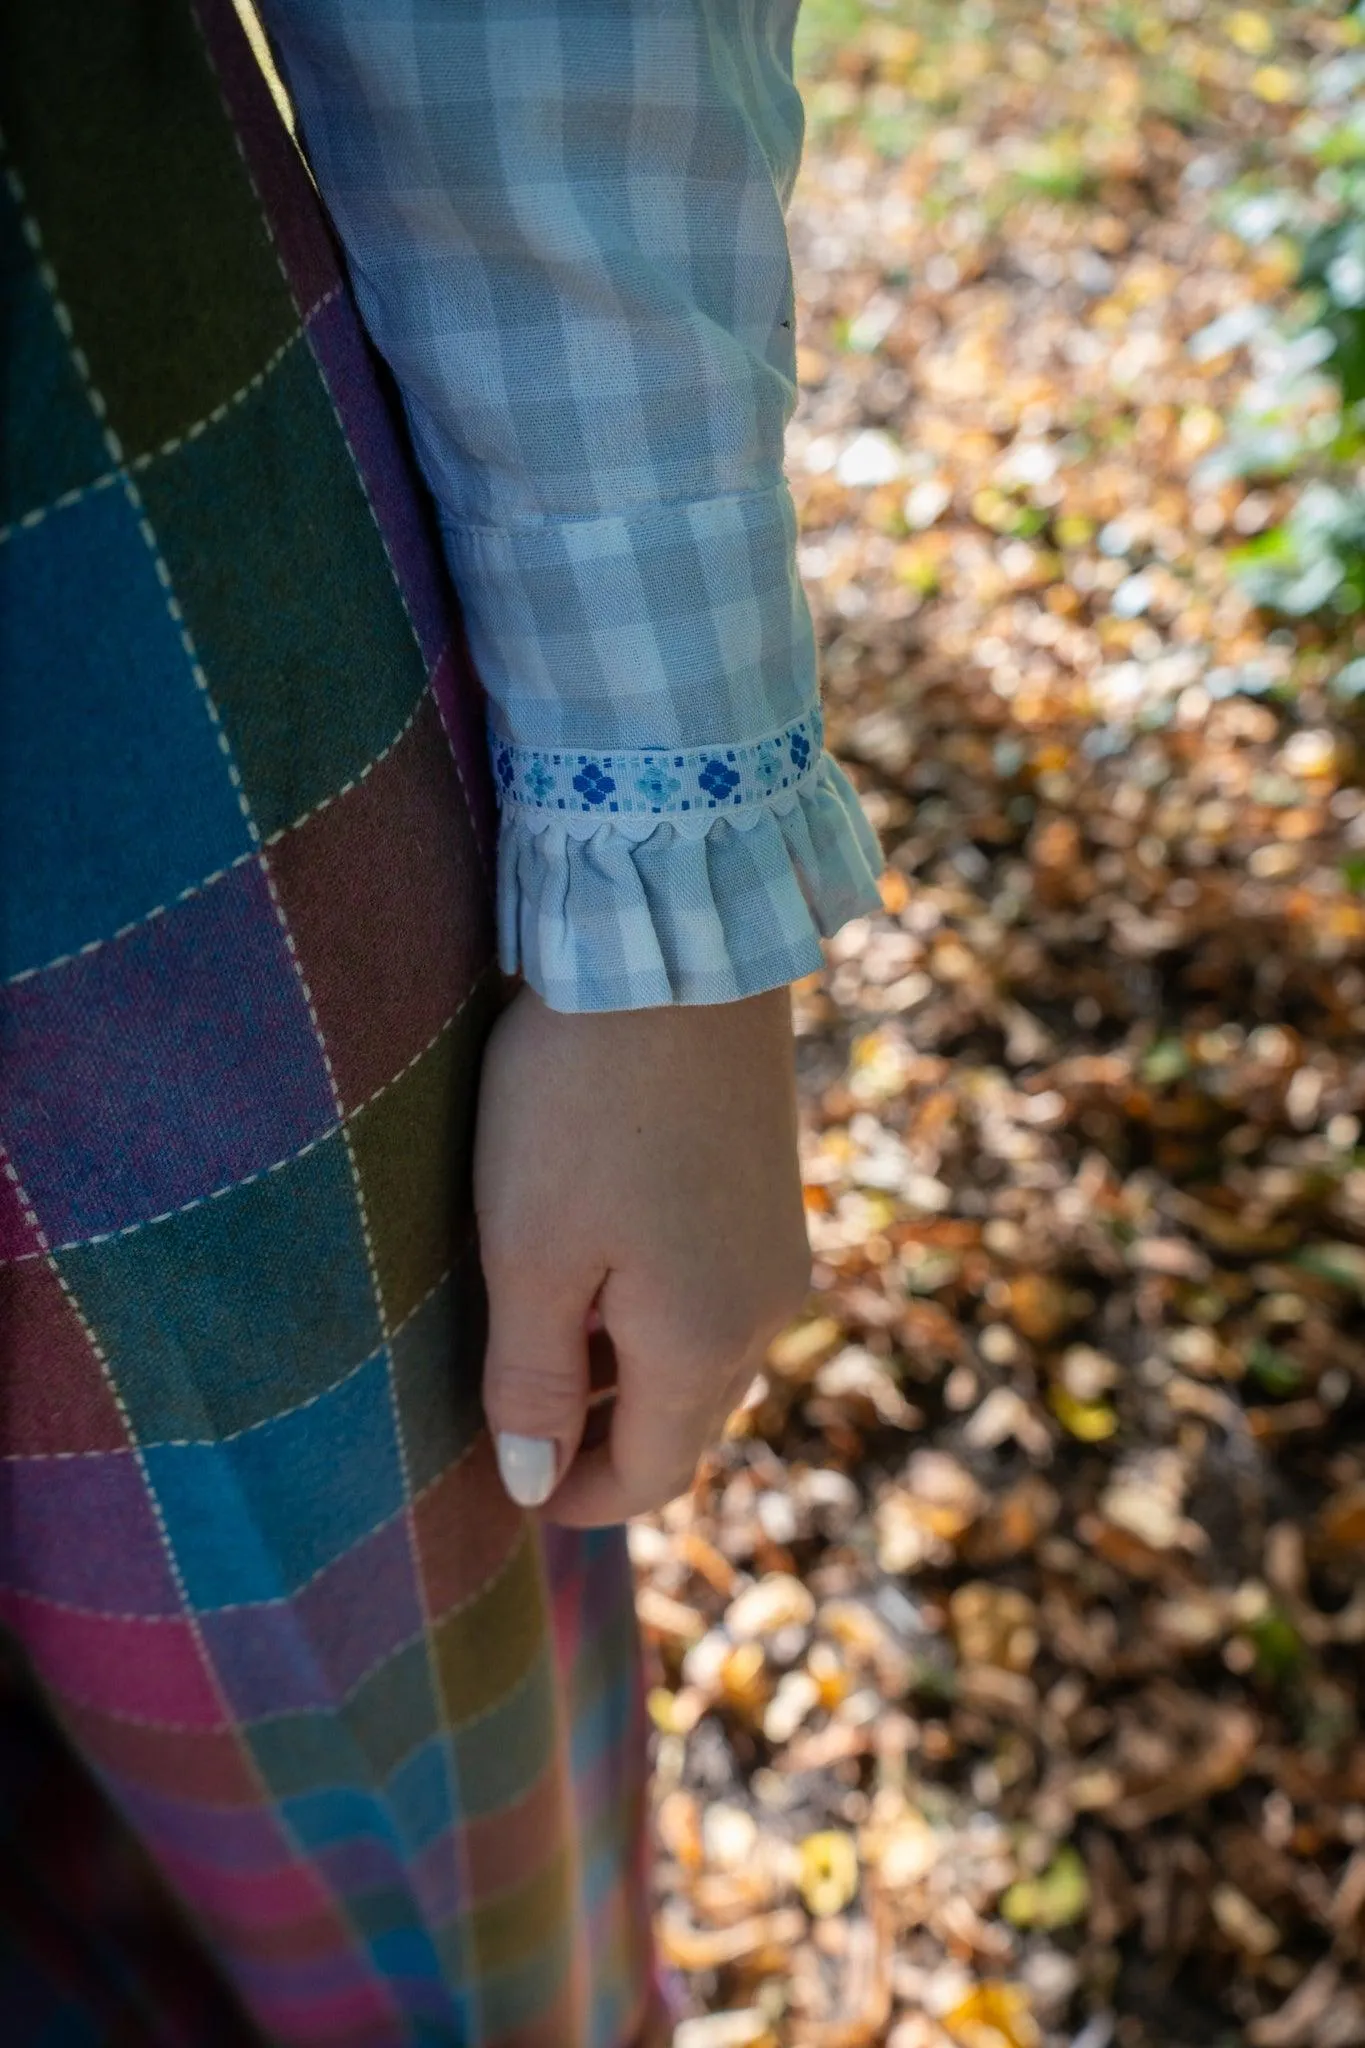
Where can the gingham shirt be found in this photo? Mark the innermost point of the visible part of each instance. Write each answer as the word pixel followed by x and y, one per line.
pixel 564 221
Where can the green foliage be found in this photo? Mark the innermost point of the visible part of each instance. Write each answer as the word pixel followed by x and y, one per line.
pixel 1058 1898
pixel 1055 168
pixel 1278 1646
pixel 1314 559
pixel 824 26
pixel 1307 418
pixel 1273 1369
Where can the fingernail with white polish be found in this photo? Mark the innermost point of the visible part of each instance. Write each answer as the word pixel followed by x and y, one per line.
pixel 527 1465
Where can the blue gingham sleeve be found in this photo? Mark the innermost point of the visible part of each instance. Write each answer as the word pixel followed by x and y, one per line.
pixel 564 222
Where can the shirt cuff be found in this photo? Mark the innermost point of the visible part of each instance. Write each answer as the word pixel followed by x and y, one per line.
pixel 663 625
pixel 637 878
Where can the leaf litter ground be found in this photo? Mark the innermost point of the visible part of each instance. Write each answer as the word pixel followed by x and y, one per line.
pixel 1008 1656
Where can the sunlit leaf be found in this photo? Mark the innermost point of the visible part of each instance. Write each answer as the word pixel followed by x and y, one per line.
pixel 994 2015
pixel 829 1872
pixel 1090 1422
pixel 1059 1898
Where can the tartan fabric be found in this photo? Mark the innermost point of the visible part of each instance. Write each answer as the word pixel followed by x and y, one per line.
pixel 93 1950
pixel 380 1736
pixel 565 223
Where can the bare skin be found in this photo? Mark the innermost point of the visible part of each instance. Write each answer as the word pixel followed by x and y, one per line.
pixel 641 1164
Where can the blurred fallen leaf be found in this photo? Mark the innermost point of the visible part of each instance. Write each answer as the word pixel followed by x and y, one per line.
pixel 663 1616
pixel 1083 1112
pixel 1015 1521
pixel 1342 1264
pixel 1295 2024
pixel 1039 1307
pixel 747 2029
pixel 1226 1737
pixel 800 1351
pixel 857 1373
pixel 1090 1422
pixel 710 1948
pixel 1145 1497
pixel 1005 1414
pixel 994 1625
pixel 1058 1898
pixel 1248 1929
pixel 679 1826
pixel 902 1853
pixel 829 1872
pixel 744 1680
pixel 994 2015
pixel 1341 1523
pixel 777 1601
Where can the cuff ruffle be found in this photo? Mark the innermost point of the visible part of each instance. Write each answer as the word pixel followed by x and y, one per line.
pixel 628 913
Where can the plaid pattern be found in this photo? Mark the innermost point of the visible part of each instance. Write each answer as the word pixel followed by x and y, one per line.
pixel 565 224
pixel 93 1950
pixel 379 1735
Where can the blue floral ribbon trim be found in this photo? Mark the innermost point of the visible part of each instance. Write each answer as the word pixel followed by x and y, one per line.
pixel 656 782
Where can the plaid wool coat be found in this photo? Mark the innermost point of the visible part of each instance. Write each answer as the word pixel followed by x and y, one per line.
pixel 378 1732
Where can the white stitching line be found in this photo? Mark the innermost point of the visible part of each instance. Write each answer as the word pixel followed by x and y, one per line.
pixel 412 624
pixel 376 1287
pixel 77 1244
pixel 200 1201
pixel 480 1435
pixel 190 1619
pixel 402 592
pixel 186 1443
pixel 213 1443
pixel 191 654
pixel 521 1685
pixel 197 888
pixel 459 1728
pixel 274 1599
pixel 480 1592
pixel 435 1288
pixel 560 1858
pixel 28 520
pixel 459 772
pixel 208 1443
pixel 336 1893
pixel 296 1713
pixel 485 1713
pixel 221 411
pixel 186 1617
pixel 134 924
pixel 325 802
pixel 420 1055
pixel 414 1558
pixel 207 1667
pixel 122 474
pixel 39 513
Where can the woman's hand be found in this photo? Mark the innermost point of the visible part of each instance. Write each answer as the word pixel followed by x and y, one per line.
pixel 642 1162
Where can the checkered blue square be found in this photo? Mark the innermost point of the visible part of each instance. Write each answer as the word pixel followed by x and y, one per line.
pixel 254 1518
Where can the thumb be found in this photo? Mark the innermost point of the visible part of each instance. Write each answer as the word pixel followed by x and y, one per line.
pixel 535 1388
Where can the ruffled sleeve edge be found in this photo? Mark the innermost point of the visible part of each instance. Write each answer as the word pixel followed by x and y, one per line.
pixel 635 913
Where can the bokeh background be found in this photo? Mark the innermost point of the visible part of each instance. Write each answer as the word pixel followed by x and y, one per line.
pixel 1007 1660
